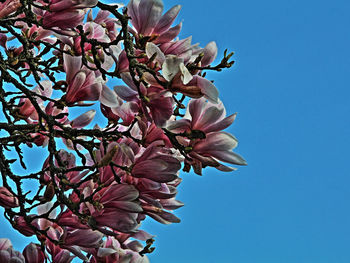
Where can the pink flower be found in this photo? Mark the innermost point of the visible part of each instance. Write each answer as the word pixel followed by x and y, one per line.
pixel 33 254
pixel 5 243
pixel 203 115
pixel 210 52
pixel 83 120
pixel 210 119
pixel 66 160
pixel 67 218
pixel 7 199
pixel 156 164
pixel 104 19
pixel 180 48
pixel 148 21
pixel 119 208
pixel 177 75
pixel 85 238
pixel 21 225
pixel 26 109
pixel 8 254
pixel 115 251
pixel 58 254
pixel 156 102
pixel 82 83
pixel 157 197
pixel 65 14
pixel 63 256
pixel 8 7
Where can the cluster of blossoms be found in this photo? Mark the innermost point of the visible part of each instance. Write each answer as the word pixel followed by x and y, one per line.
pixel 98 184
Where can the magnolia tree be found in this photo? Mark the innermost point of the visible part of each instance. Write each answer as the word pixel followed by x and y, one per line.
pixel 98 183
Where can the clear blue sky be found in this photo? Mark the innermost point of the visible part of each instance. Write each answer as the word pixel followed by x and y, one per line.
pixel 291 87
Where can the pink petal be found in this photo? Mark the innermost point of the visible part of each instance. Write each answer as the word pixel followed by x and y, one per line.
pixel 165 217
pixel 109 97
pixel 90 93
pixel 209 116
pixel 214 141
pixel 133 12
pixel 71 65
pixel 167 19
pixel 5 243
pixel 208 89
pixel 120 192
pixel 131 207
pixel 83 120
pixel 210 53
pixel 186 76
pixel 33 254
pixel 179 125
pixel 222 124
pixel 150 12
pixel 228 157
pixel 169 35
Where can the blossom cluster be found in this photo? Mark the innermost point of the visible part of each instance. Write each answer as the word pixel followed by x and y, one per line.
pixel 96 191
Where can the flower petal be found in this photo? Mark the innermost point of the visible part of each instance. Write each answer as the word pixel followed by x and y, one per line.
pixel 167 19
pixel 108 97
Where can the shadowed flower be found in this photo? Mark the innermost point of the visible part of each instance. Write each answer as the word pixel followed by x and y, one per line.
pixel 8 254
pixel 7 199
pixel 156 164
pixel 119 208
pixel 33 254
pixel 26 109
pixel 8 7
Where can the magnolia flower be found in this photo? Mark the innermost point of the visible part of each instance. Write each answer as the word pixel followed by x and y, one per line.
pixel 7 199
pixel 181 48
pixel 8 7
pixel 157 197
pixel 156 102
pixel 181 80
pixel 33 254
pixel 21 225
pixel 111 24
pixel 209 119
pixel 120 208
pixel 82 83
pixel 117 252
pixel 63 257
pixel 26 109
pixel 86 238
pixel 148 21
pixel 64 14
pixel 8 254
pixel 156 164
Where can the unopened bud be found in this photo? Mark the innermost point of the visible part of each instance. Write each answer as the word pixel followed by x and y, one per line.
pixel 7 199
pixel 49 192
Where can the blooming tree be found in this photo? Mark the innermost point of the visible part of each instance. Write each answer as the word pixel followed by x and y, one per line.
pixel 98 183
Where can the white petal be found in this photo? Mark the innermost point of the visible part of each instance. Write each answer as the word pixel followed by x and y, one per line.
pixel 152 49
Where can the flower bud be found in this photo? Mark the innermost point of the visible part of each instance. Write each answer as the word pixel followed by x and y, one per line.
pixel 7 199
pixel 33 254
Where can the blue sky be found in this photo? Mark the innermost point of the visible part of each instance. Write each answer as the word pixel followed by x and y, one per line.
pixel 290 87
